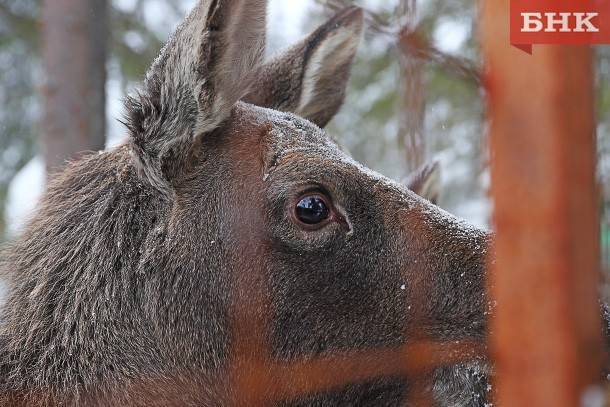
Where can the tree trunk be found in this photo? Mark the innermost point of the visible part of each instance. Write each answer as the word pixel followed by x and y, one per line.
pixel 74 38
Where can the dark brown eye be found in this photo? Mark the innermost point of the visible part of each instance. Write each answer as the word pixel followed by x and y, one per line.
pixel 312 210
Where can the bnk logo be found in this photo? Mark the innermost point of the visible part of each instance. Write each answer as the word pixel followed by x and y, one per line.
pixel 559 22
pixel 563 22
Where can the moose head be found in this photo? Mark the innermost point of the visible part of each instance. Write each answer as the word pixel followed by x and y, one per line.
pixel 231 230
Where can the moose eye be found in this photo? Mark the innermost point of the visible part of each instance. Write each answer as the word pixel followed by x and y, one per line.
pixel 312 210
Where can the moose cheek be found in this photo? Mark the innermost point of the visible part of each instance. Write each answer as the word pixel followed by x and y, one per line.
pixel 335 298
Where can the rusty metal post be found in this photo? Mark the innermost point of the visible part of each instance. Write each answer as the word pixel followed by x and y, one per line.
pixel 412 93
pixel 546 330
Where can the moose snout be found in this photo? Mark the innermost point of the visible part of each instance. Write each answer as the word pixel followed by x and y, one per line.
pixel 445 265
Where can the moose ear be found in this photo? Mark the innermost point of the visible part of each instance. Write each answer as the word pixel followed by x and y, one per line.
pixel 193 84
pixel 425 181
pixel 310 78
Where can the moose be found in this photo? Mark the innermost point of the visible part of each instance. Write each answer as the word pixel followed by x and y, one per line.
pixel 147 271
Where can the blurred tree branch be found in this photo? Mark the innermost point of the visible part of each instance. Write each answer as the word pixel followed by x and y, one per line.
pixel 20 43
pixel 409 39
pixel 19 27
pixel 414 43
pixel 134 62
pixel 23 27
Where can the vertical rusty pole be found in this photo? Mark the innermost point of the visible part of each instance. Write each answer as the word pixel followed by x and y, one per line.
pixel 412 96
pixel 412 110
pixel 546 330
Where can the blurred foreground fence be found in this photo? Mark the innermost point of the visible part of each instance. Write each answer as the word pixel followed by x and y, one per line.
pixel 546 341
pixel 546 337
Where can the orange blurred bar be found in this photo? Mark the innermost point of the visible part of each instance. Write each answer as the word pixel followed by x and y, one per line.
pixel 546 330
pixel 262 382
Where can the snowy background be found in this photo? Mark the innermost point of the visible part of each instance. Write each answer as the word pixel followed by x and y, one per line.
pixel 367 126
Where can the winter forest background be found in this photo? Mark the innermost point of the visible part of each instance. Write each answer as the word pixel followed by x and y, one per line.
pixel 414 95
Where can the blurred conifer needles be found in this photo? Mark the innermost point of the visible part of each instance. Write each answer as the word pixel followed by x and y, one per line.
pixel 452 124
pixel 21 74
pixel 411 41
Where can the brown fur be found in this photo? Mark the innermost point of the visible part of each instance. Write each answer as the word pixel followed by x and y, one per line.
pixel 152 272
pixel 309 79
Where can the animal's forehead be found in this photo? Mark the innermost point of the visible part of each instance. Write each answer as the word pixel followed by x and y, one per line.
pixel 292 138
pixel 289 132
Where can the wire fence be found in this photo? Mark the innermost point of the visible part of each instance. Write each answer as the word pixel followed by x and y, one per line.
pixel 546 342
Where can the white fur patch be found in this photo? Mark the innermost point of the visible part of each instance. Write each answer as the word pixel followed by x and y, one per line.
pixel 333 51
